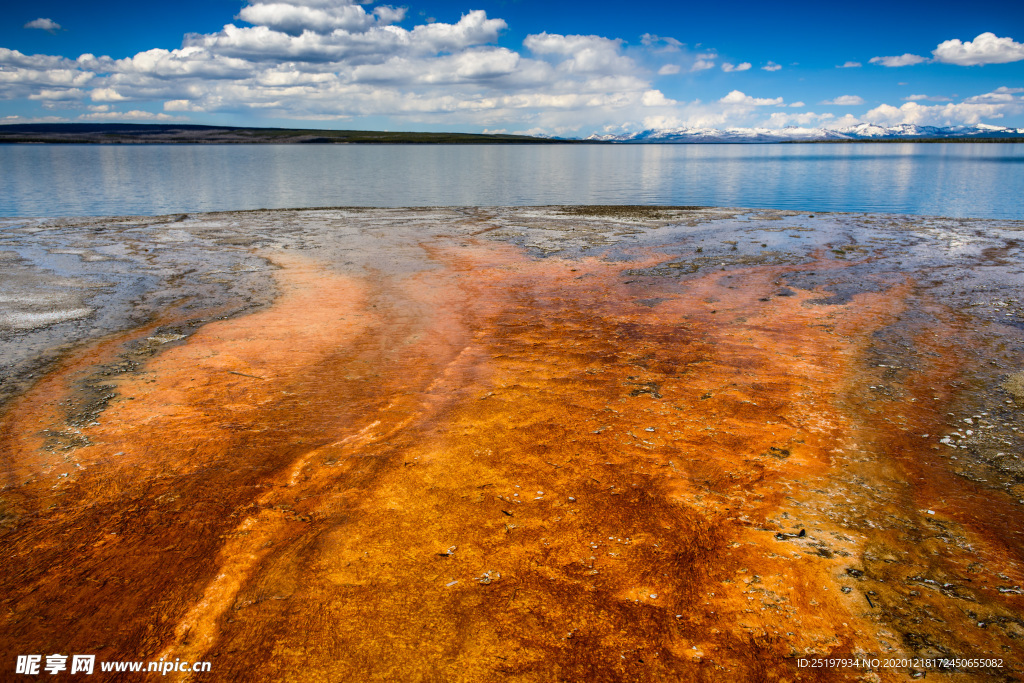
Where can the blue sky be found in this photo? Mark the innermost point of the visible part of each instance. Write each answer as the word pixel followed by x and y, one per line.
pixel 564 68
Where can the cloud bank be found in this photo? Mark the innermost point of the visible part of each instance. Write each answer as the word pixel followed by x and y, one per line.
pixel 338 60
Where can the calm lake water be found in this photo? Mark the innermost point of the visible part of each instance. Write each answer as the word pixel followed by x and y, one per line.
pixel 963 180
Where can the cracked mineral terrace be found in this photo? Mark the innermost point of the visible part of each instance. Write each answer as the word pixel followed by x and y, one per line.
pixel 533 444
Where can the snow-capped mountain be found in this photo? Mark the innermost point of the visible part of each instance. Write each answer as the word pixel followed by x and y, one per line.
pixel 862 131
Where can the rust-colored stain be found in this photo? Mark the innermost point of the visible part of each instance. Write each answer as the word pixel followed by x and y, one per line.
pixel 510 469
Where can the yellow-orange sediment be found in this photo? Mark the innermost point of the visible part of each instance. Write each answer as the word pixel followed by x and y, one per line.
pixel 503 469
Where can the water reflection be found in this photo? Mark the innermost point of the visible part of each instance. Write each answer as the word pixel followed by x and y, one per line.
pixel 970 180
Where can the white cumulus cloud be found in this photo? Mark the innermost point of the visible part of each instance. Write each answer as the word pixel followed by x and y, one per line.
pixel 668 70
pixel 736 97
pixel 655 98
pixel 52 94
pixel 985 49
pixel 998 96
pixel 106 95
pixel 43 25
pixel 581 54
pixel 771 66
pixel 845 101
pixel 901 60
pixel 704 61
pixel 742 66
pixel 660 43
pixel 295 16
pixel 849 65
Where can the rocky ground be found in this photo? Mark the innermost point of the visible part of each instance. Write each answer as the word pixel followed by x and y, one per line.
pixel 556 443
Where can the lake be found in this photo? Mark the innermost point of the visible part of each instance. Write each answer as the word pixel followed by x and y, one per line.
pixel 957 179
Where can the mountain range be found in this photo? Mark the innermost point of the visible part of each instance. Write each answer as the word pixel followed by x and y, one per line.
pixel 862 131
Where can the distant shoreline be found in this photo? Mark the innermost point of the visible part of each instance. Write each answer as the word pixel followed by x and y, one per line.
pixel 136 134
pixel 189 134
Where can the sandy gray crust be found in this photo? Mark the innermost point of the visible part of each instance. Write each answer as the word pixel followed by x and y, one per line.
pixel 64 282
